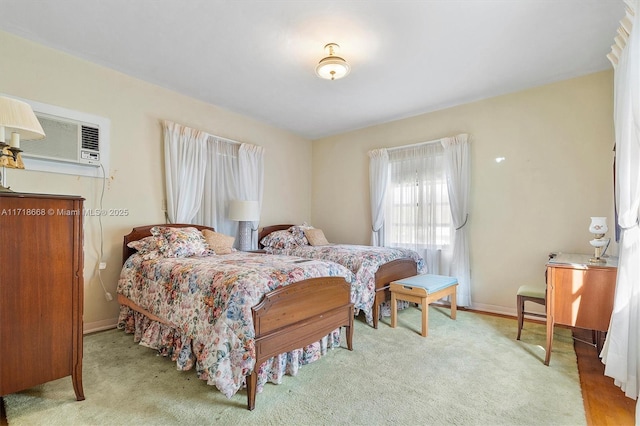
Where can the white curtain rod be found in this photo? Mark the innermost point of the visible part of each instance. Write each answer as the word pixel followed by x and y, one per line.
pixel 208 134
pixel 224 139
pixel 414 145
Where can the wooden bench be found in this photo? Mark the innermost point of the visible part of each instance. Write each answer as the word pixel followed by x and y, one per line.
pixel 423 289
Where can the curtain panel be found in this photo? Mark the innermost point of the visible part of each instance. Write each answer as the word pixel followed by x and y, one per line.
pixel 251 180
pixel 378 181
pixel 458 170
pixel 621 351
pixel 185 166
pixel 220 186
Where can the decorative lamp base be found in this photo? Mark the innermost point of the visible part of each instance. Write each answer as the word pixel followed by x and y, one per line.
pixel 244 231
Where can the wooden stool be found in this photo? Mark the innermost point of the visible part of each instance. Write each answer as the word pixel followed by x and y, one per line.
pixel 535 294
pixel 423 289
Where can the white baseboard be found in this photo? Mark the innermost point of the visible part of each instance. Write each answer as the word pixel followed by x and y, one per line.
pixel 494 309
pixel 92 327
pixel 502 310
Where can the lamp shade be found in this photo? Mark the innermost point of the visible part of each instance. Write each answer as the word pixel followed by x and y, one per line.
pixel 241 210
pixel 598 225
pixel 18 117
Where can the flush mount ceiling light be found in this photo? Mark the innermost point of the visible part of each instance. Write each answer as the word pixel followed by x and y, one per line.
pixel 332 67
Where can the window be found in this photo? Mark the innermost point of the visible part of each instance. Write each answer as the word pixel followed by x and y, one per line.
pixel 417 212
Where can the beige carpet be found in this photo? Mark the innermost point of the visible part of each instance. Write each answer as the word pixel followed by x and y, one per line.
pixel 470 371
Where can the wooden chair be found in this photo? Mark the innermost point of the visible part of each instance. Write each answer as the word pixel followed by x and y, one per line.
pixel 535 294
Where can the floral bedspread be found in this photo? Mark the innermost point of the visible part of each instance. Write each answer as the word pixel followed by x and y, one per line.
pixel 363 261
pixel 208 301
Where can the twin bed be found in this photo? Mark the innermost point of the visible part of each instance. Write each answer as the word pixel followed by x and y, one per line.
pixel 374 268
pixel 239 318
pixel 243 319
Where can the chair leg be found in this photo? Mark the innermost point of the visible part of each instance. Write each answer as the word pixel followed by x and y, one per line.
pixel 520 315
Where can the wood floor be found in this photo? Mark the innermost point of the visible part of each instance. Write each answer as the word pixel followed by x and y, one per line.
pixel 604 402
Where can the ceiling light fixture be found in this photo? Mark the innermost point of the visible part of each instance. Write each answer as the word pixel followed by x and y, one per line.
pixel 332 67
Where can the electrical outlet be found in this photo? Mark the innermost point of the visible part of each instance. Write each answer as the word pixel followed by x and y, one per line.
pixel 103 265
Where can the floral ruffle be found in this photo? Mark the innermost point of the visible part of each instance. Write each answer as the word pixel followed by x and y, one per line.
pixel 187 352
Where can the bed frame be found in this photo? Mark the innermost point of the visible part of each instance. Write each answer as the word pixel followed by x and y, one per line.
pixel 387 272
pixel 287 318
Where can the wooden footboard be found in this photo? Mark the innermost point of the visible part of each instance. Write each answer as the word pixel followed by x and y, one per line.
pixel 298 315
pixel 388 272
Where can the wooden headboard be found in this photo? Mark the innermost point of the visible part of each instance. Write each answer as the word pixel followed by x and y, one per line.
pixel 263 232
pixel 140 232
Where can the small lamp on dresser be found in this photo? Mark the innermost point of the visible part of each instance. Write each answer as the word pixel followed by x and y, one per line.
pixel 244 212
pixel 17 121
pixel 598 227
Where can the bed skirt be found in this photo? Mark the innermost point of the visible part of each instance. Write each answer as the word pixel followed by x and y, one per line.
pixel 187 351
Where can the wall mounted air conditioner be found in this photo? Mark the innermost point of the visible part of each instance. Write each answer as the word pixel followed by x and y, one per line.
pixel 76 143
pixel 66 140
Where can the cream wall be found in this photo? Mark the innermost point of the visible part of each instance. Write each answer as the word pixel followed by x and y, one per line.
pixel 557 141
pixel 136 179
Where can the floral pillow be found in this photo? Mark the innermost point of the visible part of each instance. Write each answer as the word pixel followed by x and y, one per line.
pixel 147 247
pixel 279 240
pixel 298 233
pixel 180 242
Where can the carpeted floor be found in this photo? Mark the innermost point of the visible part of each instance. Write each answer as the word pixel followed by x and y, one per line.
pixel 470 371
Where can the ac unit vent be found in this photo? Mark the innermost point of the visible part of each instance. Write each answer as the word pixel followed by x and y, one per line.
pixel 90 138
pixel 67 140
pixel 76 143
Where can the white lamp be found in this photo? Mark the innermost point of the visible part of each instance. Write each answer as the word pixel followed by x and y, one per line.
pixel 332 67
pixel 18 120
pixel 244 212
pixel 598 228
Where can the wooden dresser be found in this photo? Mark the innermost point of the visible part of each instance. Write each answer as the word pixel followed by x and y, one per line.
pixel 579 294
pixel 41 290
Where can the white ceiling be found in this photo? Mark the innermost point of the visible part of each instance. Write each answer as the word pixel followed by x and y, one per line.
pixel 258 57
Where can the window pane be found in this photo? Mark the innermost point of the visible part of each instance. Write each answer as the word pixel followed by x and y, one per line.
pixel 417 211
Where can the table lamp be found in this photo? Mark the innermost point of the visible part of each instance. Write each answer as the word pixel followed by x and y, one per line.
pixel 18 120
pixel 598 228
pixel 244 212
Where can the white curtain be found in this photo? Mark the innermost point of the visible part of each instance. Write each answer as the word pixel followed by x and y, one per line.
pixel 457 170
pixel 185 165
pixel 417 213
pixel 220 186
pixel 205 172
pixel 378 181
pixel 251 180
pixel 621 351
